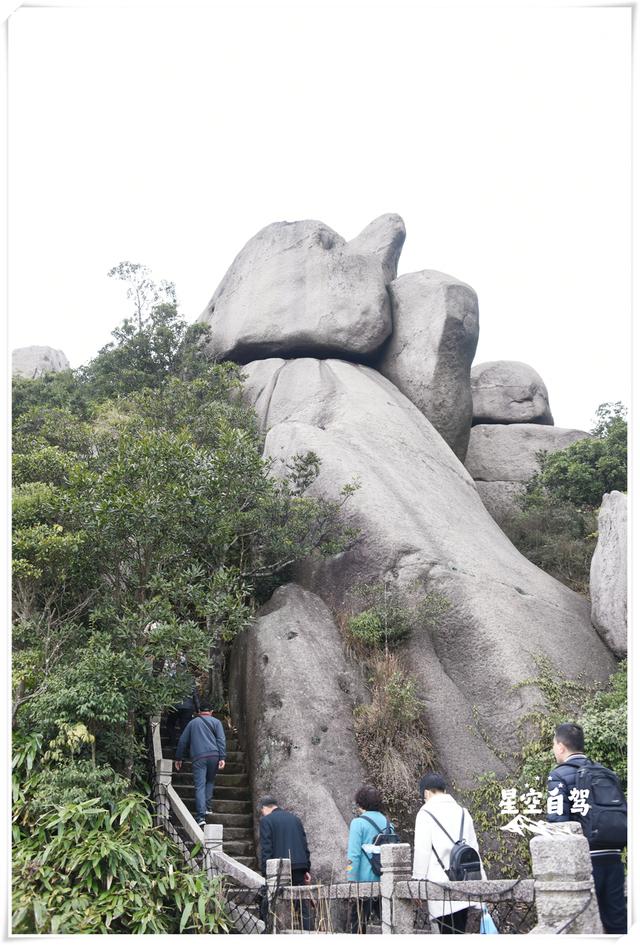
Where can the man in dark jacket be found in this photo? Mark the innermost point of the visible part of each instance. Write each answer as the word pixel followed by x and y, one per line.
pixel 204 739
pixel 282 837
pixel 564 804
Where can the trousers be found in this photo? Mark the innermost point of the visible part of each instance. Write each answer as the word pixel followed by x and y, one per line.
pixel 608 878
pixel 204 776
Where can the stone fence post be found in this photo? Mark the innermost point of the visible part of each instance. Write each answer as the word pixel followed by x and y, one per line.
pixel 564 883
pixel 164 770
pixel 397 914
pixel 278 875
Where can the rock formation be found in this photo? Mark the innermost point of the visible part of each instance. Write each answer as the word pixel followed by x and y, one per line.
pixel 398 421
pixel 608 578
pixel 429 354
pixel 36 360
pixel 299 288
pixel 509 392
pixel 293 692
pixel 421 519
pixel 503 457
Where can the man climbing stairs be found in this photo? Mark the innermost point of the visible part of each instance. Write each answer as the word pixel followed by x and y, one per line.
pixel 232 805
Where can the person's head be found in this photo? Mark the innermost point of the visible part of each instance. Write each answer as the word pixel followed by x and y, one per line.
pixel 266 805
pixel 368 798
pixel 568 740
pixel 205 708
pixel 430 784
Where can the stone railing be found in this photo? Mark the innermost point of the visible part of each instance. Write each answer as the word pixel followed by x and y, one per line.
pixel 170 808
pixel 561 891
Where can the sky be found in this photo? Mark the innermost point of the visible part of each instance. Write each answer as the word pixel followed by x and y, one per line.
pixel 169 136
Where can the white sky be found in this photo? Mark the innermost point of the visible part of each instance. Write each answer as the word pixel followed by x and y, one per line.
pixel 170 136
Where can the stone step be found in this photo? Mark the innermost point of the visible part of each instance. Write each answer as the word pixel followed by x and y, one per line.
pixel 249 861
pixel 169 751
pixel 245 834
pixel 224 806
pixel 231 820
pixel 184 776
pixel 236 848
pixel 222 791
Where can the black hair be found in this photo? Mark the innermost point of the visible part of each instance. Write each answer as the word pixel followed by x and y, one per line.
pixel 267 801
pixel 432 782
pixel 571 736
pixel 368 798
pixel 205 706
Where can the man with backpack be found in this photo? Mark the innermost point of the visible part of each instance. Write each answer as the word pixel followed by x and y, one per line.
pixel 445 849
pixel 583 790
pixel 204 739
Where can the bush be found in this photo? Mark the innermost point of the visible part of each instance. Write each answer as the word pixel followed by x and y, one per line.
pixel 390 614
pixel 83 868
pixel 392 737
pixel 602 715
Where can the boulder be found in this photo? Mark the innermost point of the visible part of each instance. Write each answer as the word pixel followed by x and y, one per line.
pixel 422 524
pixel 292 696
pixel 36 360
pixel 500 499
pixel 608 578
pixel 509 452
pixel 299 288
pixel 429 354
pixel 384 238
pixel 509 392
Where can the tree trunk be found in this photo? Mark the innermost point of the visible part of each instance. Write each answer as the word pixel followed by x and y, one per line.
pixel 130 730
pixel 216 658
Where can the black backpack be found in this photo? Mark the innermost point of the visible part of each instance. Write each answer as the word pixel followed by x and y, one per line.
pixel 605 823
pixel 464 862
pixel 388 835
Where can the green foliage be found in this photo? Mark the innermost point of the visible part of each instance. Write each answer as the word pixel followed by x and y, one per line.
pixel 390 614
pixel 584 471
pixel 601 713
pixel 555 526
pixel 87 868
pixel 392 739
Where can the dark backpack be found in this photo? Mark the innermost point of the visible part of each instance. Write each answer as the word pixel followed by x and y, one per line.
pixel 605 823
pixel 464 862
pixel 388 835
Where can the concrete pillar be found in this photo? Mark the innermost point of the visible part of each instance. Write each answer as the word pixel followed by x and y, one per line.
pixel 213 837
pixel 564 888
pixel 278 875
pixel 164 769
pixel 397 914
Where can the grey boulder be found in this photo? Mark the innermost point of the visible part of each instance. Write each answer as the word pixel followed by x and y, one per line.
pixel 499 452
pixel 299 288
pixel 421 520
pixel 384 238
pixel 292 695
pixel 36 360
pixel 429 354
pixel 608 578
pixel 500 499
pixel 509 392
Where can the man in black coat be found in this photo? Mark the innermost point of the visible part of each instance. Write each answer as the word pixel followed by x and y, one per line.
pixel 606 861
pixel 282 837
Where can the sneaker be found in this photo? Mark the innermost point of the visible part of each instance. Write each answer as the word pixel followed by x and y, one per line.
pixel 201 823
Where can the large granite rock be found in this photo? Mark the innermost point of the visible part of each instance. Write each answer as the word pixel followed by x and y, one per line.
pixel 384 238
pixel 429 354
pixel 509 392
pixel 421 520
pixel 299 288
pixel 292 694
pixel 508 452
pixel 36 360
pixel 500 499
pixel 608 578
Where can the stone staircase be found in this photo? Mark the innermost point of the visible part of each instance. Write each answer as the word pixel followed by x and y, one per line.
pixel 232 806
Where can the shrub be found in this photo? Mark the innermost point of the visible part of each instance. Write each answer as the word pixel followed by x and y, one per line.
pixel 392 738
pixel 123 873
pixel 390 614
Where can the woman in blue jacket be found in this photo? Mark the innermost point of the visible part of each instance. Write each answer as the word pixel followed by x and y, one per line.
pixel 364 828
